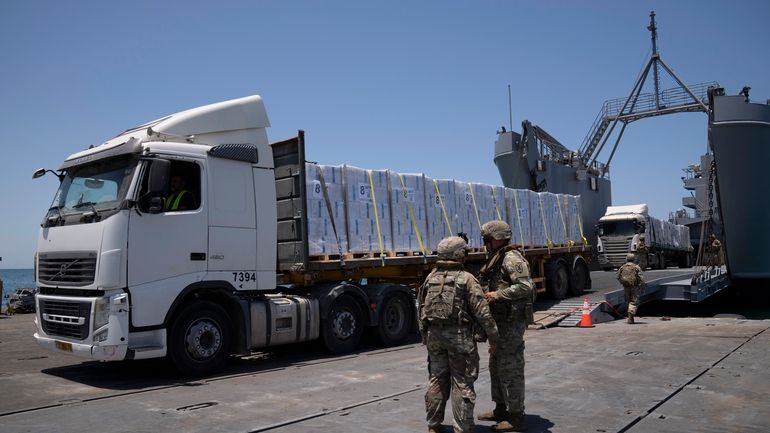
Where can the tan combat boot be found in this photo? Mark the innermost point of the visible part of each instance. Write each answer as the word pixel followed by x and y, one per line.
pixel 434 429
pixel 498 414
pixel 514 422
pixel 630 319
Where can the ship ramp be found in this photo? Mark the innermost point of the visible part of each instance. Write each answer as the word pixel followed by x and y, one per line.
pixel 607 302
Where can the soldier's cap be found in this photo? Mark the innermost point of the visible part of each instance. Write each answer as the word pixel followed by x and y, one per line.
pixel 630 257
pixel 496 229
pixel 452 248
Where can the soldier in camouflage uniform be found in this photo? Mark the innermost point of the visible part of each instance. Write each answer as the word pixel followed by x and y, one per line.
pixel 510 292
pixel 641 249
pixel 631 278
pixel 449 302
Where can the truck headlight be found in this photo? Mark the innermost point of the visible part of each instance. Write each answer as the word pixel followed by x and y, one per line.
pixel 101 312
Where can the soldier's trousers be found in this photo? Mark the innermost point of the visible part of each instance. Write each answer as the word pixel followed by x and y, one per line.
pixel 453 366
pixel 506 365
pixel 631 295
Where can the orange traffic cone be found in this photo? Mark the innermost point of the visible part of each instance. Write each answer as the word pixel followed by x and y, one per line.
pixel 585 321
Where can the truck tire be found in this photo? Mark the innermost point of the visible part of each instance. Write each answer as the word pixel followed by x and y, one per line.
pixel 557 279
pixel 344 325
pixel 199 339
pixel 580 278
pixel 395 320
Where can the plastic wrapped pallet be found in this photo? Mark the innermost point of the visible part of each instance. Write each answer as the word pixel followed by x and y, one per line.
pixel 368 210
pixel 467 219
pixel 490 202
pixel 572 211
pixel 519 216
pixel 539 221
pixel 321 236
pixel 408 207
pixel 440 210
pixel 554 217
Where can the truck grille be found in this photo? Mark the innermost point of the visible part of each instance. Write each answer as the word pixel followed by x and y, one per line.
pixel 65 318
pixel 70 269
pixel 616 250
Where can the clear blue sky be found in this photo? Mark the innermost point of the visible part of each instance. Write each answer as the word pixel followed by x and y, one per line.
pixel 415 86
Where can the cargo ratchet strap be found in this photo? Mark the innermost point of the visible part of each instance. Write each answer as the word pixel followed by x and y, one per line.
pixel 325 191
pixel 376 217
pixel 518 217
pixel 411 215
pixel 443 210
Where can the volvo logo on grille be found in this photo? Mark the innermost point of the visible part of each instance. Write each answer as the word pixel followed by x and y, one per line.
pixel 63 269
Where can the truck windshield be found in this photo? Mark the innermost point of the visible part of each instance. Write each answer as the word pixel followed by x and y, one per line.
pixel 97 187
pixel 617 228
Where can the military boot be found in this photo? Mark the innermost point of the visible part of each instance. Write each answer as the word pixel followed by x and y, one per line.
pixel 435 429
pixel 497 414
pixel 514 422
pixel 630 319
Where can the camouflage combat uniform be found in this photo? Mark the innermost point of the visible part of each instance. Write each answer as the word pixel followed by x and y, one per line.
pixel 715 252
pixel 507 273
pixel 631 292
pixel 453 358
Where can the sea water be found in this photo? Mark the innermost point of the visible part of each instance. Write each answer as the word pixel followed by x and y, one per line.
pixel 15 278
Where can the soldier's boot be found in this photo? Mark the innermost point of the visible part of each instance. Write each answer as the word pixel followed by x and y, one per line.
pixel 514 422
pixel 499 413
pixel 434 429
pixel 630 319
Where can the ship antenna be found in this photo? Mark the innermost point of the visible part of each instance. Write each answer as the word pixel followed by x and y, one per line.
pixel 510 111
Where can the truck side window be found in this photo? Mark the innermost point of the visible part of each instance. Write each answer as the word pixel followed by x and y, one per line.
pixel 184 187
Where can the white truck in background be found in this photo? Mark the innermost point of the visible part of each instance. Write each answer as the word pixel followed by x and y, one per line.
pixel 122 276
pixel 619 231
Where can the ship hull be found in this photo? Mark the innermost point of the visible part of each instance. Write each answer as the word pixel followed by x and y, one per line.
pixel 740 140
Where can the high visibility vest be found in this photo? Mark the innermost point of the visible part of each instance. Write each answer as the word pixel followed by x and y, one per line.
pixel 172 202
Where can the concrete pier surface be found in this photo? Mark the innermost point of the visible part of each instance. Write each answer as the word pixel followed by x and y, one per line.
pixel 678 375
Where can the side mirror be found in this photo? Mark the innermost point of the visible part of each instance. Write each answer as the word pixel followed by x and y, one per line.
pixel 156 205
pixel 159 175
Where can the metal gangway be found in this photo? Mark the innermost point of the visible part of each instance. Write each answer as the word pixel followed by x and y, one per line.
pixel 639 105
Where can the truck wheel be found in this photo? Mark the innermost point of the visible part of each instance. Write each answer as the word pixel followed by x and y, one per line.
pixel 395 320
pixel 580 279
pixel 557 279
pixel 344 325
pixel 199 340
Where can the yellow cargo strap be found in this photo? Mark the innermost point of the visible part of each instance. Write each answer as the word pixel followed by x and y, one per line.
pixel 411 215
pixel 376 216
pixel 443 210
pixel 494 200
pixel 475 209
pixel 580 225
pixel 518 217
pixel 563 222
pixel 549 242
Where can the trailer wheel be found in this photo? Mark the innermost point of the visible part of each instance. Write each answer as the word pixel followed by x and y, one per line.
pixel 395 320
pixel 199 341
pixel 580 279
pixel 557 279
pixel 343 327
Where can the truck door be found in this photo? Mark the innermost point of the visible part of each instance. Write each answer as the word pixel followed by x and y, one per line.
pixel 167 251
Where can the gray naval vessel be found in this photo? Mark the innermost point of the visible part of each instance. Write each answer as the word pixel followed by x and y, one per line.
pixel 534 159
pixel 739 132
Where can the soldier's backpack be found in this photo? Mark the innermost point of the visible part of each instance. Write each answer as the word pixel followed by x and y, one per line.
pixel 627 276
pixel 442 303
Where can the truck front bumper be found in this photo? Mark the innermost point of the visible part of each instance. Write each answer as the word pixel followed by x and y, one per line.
pixel 91 351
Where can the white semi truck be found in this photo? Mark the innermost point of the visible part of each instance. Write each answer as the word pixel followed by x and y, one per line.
pixel 619 232
pixel 123 274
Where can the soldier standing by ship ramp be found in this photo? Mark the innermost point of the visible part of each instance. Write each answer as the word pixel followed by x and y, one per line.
pixel 510 292
pixel 631 278
pixel 449 302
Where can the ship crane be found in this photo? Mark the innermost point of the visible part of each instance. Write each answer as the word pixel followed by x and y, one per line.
pixel 638 105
